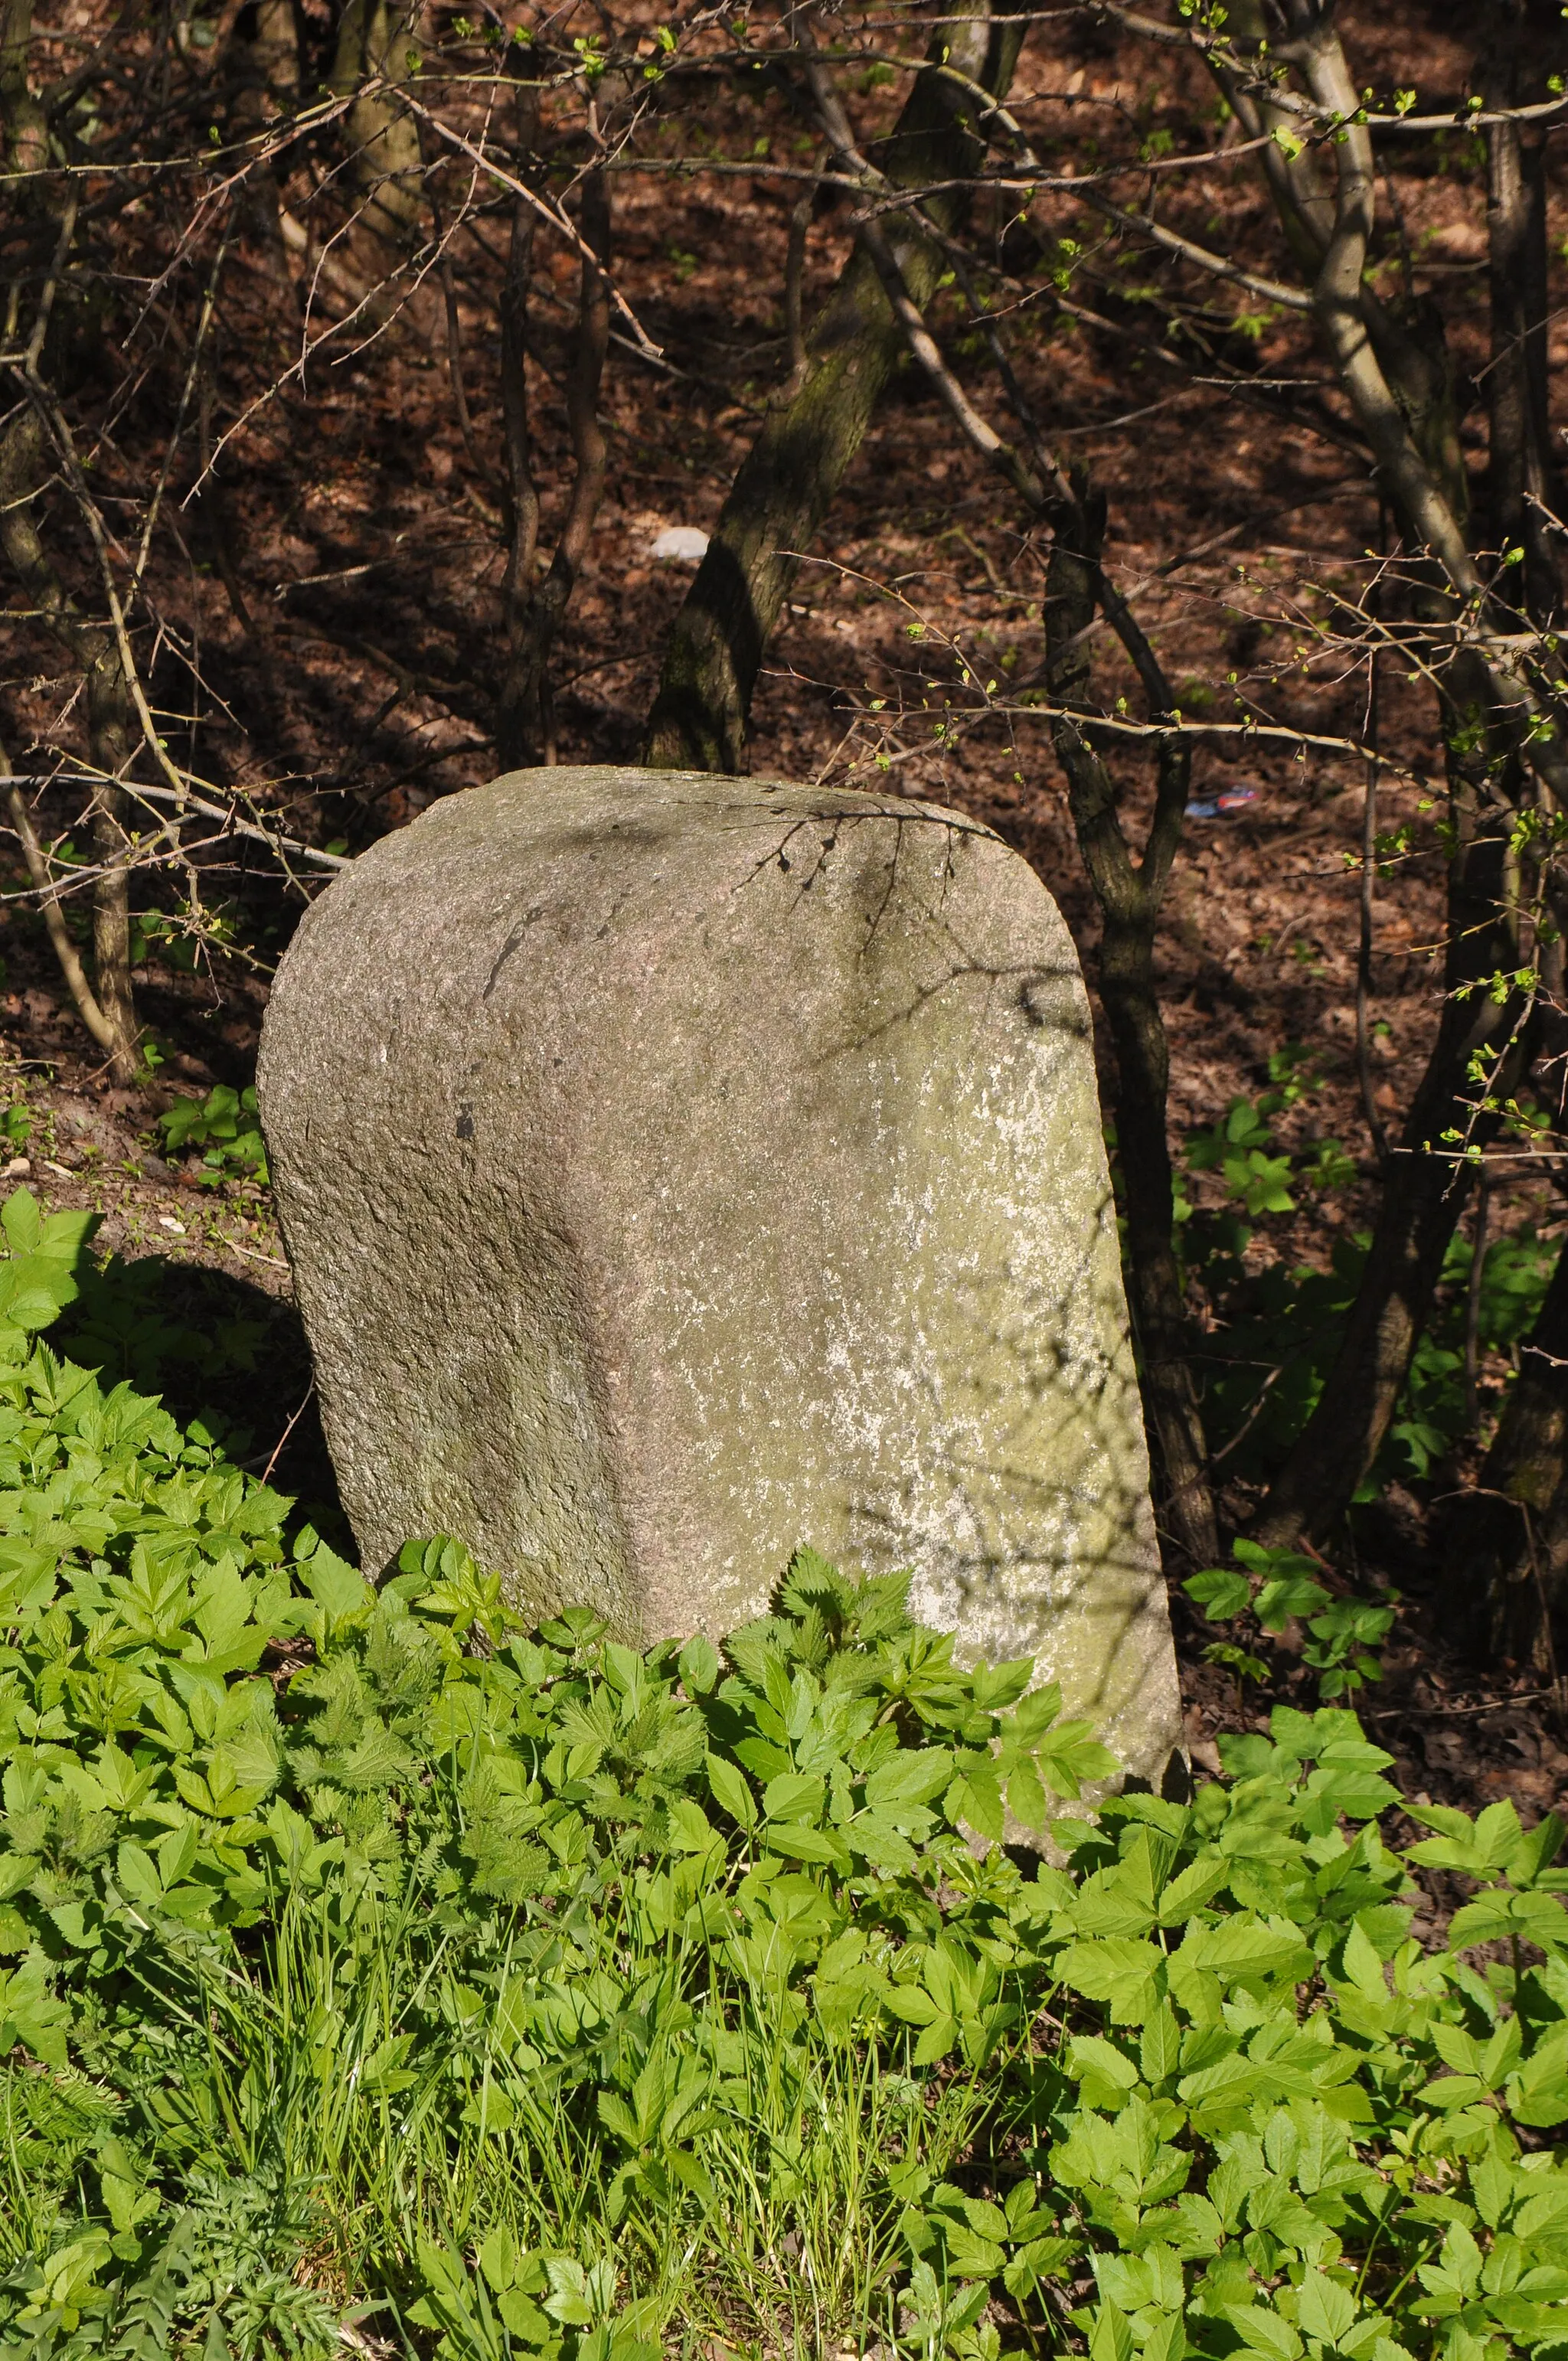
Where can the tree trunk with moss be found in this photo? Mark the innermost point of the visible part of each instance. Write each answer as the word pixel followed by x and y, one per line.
pixel 385 162
pixel 789 477
pixel 1392 364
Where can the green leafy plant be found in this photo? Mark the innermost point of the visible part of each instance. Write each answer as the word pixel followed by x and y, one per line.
pixel 1237 1147
pixel 369 1955
pixel 1267 1589
pixel 1241 1147
pixel 227 1126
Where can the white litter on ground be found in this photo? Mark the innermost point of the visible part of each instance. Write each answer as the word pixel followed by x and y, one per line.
pixel 683 544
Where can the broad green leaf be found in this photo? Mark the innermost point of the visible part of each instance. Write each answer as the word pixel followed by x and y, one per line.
pixel 1090 2056
pixel 798 1840
pixel 731 1791
pixel 1500 1916
pixel 1324 2310
pixel 1159 2049
pixel 1220 1592
pixel 1264 2332
pixel 1111 2338
pixel 337 1587
pixel 1243 1950
pixel 1120 1972
pixel 699 1665
pixel 1195 1886
pixel 792 1796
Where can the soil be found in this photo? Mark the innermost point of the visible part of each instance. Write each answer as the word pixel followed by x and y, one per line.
pixel 343 583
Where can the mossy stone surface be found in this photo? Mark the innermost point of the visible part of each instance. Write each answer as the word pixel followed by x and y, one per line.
pixel 677 1169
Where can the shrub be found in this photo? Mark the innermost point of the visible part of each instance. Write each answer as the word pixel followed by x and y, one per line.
pixel 371 1959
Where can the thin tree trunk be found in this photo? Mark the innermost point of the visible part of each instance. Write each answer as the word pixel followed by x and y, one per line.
pixel 1129 898
pixel 263 65
pixel 1507 1560
pixel 1427 1181
pixel 788 479
pixel 1506 1573
pixel 525 729
pixel 521 492
pixel 23 460
pixel 24 463
pixel 1521 479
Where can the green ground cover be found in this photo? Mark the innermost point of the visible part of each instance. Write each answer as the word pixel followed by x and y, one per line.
pixel 374 1972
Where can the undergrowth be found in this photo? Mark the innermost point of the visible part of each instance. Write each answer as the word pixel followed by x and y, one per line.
pixel 1276 1326
pixel 374 1971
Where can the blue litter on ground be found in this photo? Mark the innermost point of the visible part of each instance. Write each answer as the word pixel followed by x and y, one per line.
pixel 1217 806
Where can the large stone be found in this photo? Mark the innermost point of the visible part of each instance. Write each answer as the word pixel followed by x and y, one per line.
pixel 675 1169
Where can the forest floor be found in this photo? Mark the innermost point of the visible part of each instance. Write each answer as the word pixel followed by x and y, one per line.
pixel 361 531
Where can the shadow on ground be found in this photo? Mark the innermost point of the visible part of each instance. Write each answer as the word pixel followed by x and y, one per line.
pixel 219 1352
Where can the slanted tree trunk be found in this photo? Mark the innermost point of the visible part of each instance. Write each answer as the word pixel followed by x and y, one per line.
pixel 46 886
pixel 1393 370
pixel 788 479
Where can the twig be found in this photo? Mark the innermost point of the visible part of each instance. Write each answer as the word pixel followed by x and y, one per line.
pixel 273 1262
pixel 1270 291
pixel 187 803
pixel 558 221
pixel 288 1430
pixel 1473 1298
pixel 1494 1705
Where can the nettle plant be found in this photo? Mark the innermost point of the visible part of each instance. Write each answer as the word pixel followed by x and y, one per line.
pixel 369 1957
